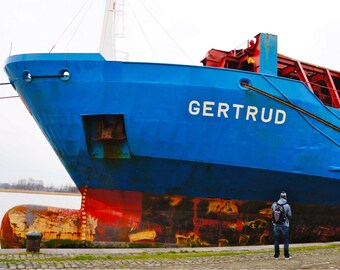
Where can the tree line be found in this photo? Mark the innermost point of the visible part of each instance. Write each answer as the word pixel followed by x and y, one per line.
pixel 38 185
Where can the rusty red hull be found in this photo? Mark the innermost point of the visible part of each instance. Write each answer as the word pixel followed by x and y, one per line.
pixel 122 218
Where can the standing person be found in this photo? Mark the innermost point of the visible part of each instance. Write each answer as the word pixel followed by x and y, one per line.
pixel 282 215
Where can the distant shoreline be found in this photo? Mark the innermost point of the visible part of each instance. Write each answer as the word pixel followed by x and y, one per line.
pixel 39 192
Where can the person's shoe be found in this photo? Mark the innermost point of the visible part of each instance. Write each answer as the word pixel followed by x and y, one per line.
pixel 288 258
pixel 276 258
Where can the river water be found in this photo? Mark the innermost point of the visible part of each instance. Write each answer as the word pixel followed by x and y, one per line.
pixel 11 199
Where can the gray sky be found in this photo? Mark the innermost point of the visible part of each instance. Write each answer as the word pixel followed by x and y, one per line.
pixel 308 30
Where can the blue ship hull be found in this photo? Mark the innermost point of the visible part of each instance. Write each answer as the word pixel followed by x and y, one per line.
pixel 184 131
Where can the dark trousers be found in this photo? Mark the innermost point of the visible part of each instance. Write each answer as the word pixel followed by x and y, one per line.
pixel 281 231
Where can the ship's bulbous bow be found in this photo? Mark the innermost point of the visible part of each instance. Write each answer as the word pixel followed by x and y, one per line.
pixel 112 218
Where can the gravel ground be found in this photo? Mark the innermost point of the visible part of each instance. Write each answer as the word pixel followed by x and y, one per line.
pixel 257 257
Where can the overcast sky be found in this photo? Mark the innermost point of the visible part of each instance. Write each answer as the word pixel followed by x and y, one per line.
pixel 155 31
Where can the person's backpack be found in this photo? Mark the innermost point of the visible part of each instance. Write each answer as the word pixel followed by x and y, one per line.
pixel 279 214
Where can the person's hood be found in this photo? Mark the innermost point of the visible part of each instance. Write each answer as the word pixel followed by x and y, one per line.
pixel 282 201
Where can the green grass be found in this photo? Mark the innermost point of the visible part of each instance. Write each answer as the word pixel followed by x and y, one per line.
pixel 150 255
pixel 301 249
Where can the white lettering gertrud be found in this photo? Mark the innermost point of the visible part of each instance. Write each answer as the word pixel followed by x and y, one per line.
pixel 194 107
pixel 238 107
pixel 278 114
pixel 223 108
pixel 237 111
pixel 251 111
pixel 207 108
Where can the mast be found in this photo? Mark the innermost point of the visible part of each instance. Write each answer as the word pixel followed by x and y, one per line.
pixel 107 44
